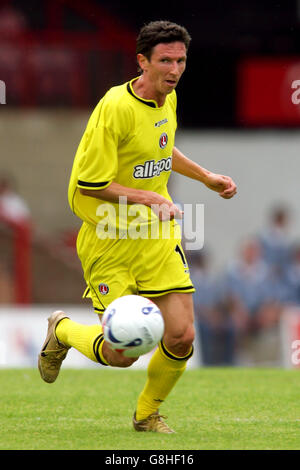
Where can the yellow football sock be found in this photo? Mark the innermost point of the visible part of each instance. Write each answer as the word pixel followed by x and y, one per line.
pixel 164 370
pixel 86 339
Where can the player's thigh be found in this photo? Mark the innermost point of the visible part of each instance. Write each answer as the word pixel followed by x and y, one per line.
pixel 163 269
pixel 108 275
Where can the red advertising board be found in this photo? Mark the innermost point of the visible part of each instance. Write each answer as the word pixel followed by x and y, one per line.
pixel 268 92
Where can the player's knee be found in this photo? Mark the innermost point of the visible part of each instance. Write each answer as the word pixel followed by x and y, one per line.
pixel 181 342
pixel 187 338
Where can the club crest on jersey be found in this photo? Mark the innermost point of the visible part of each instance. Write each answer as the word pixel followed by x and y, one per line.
pixel 103 288
pixel 150 168
pixel 163 140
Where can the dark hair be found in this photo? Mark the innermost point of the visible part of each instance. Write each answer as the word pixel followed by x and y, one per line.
pixel 157 32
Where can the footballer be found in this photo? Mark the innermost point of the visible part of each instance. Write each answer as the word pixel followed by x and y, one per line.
pixel 124 160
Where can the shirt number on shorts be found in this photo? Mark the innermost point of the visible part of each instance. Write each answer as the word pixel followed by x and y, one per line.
pixel 180 252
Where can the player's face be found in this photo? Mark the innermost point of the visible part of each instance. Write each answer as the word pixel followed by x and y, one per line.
pixel 165 67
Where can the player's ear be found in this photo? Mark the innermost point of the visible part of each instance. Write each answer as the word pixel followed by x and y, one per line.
pixel 142 61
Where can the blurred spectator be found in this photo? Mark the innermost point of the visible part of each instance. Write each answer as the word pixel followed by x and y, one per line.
pixel 276 294
pixel 293 276
pixel 215 326
pixel 275 240
pixel 244 283
pixel 13 209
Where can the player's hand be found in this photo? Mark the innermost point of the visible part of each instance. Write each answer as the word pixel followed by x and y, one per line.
pixel 163 208
pixel 223 185
pixel 167 211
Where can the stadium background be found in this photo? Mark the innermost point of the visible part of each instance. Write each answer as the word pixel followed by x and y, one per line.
pixel 238 114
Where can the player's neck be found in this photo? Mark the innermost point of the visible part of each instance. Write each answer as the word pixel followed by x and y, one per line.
pixel 146 90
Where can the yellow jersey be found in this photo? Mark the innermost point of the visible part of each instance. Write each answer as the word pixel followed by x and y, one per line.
pixel 128 140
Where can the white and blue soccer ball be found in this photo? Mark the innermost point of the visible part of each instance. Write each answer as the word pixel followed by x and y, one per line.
pixel 133 325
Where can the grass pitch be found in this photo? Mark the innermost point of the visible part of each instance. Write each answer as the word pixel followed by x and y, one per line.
pixel 209 408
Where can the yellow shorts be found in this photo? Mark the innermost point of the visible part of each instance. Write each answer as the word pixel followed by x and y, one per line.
pixel 116 267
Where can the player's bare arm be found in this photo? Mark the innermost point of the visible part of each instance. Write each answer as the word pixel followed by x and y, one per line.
pixel 164 208
pixel 224 185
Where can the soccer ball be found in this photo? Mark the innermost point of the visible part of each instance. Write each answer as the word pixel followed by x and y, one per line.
pixel 132 325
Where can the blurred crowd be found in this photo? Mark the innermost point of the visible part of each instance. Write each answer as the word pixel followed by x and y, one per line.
pixel 245 301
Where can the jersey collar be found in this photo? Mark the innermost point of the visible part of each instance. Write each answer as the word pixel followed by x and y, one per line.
pixel 130 90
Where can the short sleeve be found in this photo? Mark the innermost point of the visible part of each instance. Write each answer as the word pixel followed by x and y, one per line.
pixel 109 126
pixel 98 164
